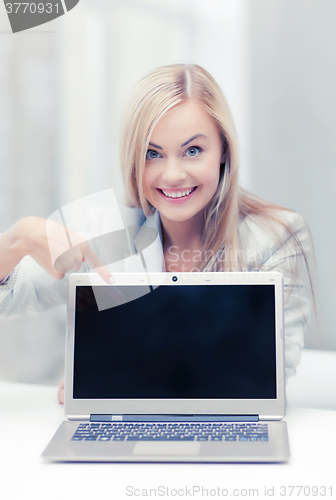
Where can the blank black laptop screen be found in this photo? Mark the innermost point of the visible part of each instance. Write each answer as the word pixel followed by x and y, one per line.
pixel 178 341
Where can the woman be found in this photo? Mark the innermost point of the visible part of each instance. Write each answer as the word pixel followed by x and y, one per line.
pixel 179 157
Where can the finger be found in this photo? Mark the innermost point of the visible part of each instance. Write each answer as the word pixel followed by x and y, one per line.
pixel 61 396
pixel 57 275
pixel 76 267
pixel 61 392
pixel 95 263
pixel 69 260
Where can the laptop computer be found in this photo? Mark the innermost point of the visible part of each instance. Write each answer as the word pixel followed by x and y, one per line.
pixel 163 367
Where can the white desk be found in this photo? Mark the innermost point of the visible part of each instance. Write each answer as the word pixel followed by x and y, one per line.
pixel 29 415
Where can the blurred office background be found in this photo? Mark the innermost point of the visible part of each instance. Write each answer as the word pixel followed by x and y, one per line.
pixel 63 88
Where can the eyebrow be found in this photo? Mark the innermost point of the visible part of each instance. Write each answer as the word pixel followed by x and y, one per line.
pixel 182 145
pixel 154 145
pixel 192 138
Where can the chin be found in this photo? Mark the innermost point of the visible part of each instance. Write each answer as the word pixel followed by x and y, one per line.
pixel 173 218
pixel 178 215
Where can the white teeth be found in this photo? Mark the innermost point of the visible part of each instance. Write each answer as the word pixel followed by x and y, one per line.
pixel 178 194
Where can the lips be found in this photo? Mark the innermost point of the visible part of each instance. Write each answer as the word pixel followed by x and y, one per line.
pixel 177 194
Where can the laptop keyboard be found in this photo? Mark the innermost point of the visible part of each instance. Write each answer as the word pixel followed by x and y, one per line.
pixel 171 432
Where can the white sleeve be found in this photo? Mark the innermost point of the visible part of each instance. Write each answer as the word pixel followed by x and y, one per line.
pixel 7 284
pixel 29 289
pixel 291 261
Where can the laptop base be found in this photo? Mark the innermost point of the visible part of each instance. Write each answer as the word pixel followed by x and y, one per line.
pixel 63 449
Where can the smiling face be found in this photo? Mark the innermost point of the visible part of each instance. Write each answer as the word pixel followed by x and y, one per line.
pixel 183 162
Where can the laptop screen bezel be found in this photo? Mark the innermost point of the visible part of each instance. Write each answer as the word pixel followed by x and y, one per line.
pixel 265 408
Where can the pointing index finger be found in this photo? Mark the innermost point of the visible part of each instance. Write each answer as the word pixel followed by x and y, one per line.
pixel 95 263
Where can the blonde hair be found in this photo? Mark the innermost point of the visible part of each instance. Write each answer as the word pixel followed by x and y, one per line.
pixel 153 96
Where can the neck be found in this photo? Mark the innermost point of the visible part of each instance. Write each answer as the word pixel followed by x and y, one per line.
pixel 185 234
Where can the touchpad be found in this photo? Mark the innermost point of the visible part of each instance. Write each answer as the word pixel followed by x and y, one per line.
pixel 168 448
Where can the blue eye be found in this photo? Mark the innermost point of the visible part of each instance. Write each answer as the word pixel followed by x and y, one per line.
pixel 193 151
pixel 152 154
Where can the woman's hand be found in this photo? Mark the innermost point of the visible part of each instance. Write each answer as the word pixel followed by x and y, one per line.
pixel 61 392
pixel 29 236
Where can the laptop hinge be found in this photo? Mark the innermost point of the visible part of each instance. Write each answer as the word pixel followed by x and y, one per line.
pixel 174 418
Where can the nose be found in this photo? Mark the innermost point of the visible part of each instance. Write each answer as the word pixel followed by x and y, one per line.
pixel 174 172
